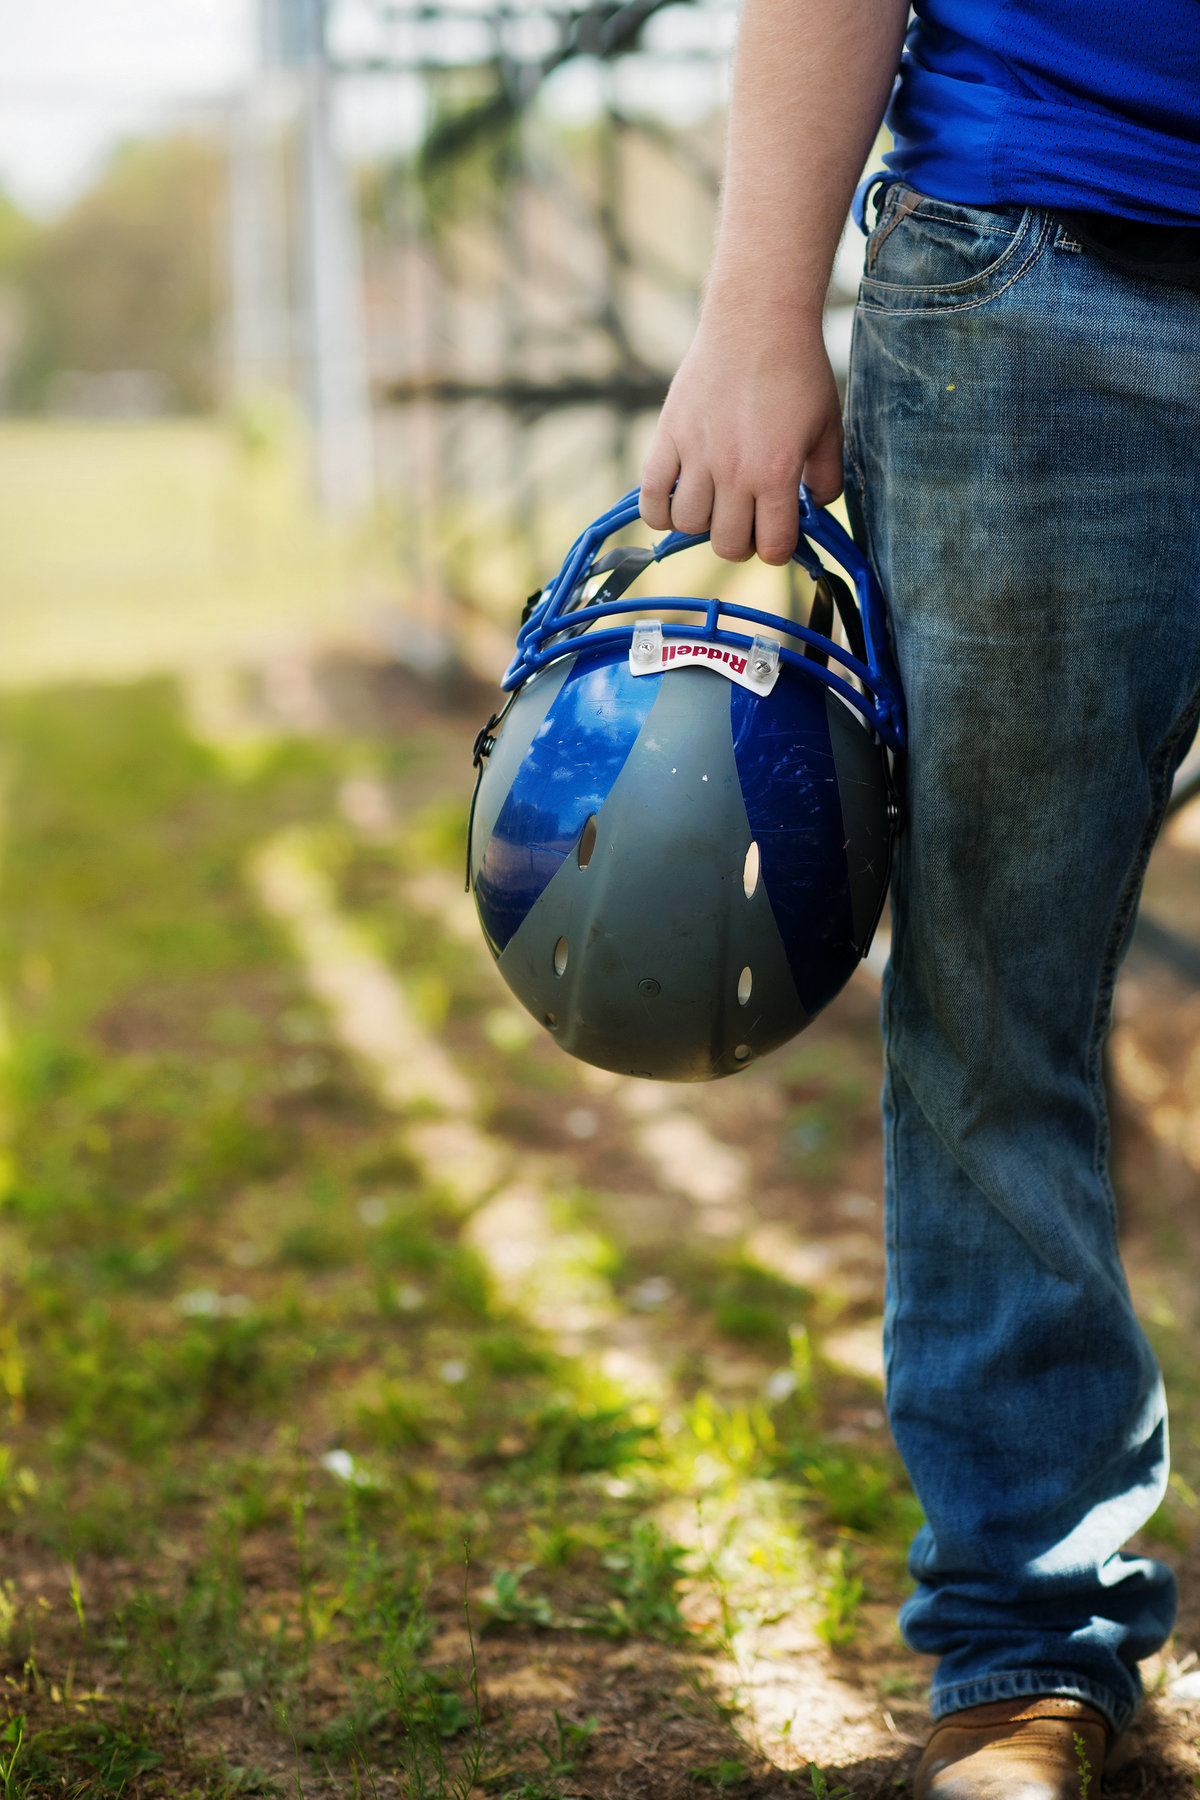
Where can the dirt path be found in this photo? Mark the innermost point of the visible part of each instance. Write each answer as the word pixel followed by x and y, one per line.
pixel 713 1163
pixel 421 1278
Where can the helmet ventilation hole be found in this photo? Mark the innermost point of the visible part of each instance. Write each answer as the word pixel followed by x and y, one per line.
pixel 741 1052
pixel 551 1019
pixel 587 842
pixel 745 985
pixel 561 952
pixel 750 871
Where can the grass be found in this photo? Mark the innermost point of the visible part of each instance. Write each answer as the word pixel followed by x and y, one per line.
pixel 261 1397
pixel 267 1418
pixel 128 547
pixel 191 1158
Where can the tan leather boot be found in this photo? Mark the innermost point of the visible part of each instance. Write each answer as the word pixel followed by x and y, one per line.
pixel 1015 1750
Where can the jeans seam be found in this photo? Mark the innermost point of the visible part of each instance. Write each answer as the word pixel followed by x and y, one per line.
pixel 849 446
pixel 936 218
pixel 891 1158
pixel 892 1223
pixel 918 312
pixel 1028 1684
pixel 1162 769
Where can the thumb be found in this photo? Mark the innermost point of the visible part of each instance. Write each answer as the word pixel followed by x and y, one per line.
pixel 823 475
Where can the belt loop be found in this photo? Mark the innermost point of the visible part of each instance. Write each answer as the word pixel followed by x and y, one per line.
pixel 882 178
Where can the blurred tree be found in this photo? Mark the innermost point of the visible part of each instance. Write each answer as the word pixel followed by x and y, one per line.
pixel 127 280
pixel 17 236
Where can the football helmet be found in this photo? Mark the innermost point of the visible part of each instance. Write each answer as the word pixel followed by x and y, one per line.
pixel 681 834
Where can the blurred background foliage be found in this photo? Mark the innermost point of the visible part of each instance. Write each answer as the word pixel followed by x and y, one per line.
pixel 126 280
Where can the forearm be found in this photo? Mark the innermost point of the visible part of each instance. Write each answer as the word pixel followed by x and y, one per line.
pixel 754 407
pixel 810 84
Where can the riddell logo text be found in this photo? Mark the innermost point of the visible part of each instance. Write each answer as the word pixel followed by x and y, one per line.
pixel 713 652
pixel 748 669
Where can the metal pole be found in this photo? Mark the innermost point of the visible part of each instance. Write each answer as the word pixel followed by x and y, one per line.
pixel 334 336
pixel 255 353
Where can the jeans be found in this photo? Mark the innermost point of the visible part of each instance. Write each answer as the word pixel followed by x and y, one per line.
pixel 1023 463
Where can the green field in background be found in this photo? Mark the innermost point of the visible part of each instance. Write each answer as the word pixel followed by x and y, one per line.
pixel 130 547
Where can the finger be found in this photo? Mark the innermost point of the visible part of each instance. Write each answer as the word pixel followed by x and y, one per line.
pixel 776 525
pixel 692 501
pixel 659 475
pixel 732 531
pixel 823 474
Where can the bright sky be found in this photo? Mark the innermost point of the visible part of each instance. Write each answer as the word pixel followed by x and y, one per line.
pixel 77 74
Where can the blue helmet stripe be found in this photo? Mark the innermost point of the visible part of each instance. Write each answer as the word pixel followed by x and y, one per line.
pixel 565 777
pixel 789 782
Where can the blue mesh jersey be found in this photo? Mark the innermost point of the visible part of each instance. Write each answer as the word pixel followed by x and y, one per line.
pixel 1086 105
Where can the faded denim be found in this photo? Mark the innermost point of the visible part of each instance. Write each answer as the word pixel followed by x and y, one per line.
pixel 1023 460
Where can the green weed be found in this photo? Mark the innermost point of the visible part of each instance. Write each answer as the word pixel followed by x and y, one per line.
pixel 853 1492
pixel 13 1736
pixel 114 1756
pixel 505 1603
pixel 555 1546
pixel 841 1592
pixel 96 1757
pixel 750 1304
pixel 569 1437
pixel 314 1245
pixel 398 1419
pixel 644 1579
pixel 901 1687
pixel 1083 1765
pixel 432 1713
pixel 721 1775
pixel 565 1745
pixel 742 1436
pixel 239 1779
pixel 819 1788
pixel 509 1353
pixel 419 1241
pixel 10 1613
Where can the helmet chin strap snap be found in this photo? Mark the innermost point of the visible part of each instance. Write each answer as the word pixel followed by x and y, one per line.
pixel 485 743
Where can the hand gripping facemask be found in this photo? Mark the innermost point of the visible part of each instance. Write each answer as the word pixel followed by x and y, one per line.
pixel 681 835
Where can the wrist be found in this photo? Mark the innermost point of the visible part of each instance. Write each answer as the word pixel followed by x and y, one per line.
pixel 779 302
pixel 771 324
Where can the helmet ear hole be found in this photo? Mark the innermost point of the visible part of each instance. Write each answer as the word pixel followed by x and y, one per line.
pixel 587 842
pixel 745 985
pixel 561 951
pixel 750 870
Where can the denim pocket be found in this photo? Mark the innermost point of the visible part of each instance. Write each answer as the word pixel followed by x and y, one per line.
pixel 926 254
